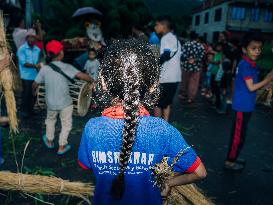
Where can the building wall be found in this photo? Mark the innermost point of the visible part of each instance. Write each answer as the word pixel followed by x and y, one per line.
pixel 211 26
pixel 237 27
pixel 247 23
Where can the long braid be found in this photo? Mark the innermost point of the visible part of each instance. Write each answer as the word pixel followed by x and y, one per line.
pixel 131 103
pixel 129 70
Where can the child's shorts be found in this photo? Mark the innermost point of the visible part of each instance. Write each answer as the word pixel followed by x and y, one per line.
pixel 167 93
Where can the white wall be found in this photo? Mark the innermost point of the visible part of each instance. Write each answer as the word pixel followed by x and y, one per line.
pixel 212 26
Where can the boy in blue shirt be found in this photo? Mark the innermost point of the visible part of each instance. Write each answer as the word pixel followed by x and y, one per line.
pixel 121 145
pixel 244 97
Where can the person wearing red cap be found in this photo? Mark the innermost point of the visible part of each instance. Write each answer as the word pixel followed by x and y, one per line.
pixel 56 76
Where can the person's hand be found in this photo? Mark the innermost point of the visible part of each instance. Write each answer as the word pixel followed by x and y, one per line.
pixel 191 60
pixel 269 76
pixel 4 120
pixel 166 192
pixel 38 66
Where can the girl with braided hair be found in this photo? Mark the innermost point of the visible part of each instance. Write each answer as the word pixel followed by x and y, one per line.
pixel 122 144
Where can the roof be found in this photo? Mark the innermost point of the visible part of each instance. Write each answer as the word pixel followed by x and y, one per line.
pixel 208 4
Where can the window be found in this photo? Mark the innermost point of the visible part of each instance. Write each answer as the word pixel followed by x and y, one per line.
pixel 206 18
pixel 197 20
pixel 205 36
pixel 255 14
pixel 218 15
pixel 238 13
pixel 268 16
pixel 215 36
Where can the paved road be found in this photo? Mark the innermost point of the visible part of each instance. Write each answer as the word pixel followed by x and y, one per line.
pixel 209 133
pixel 202 127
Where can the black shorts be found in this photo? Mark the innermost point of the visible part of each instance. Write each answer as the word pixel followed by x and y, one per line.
pixel 167 93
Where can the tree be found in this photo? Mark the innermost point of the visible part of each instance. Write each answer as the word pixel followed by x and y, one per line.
pixel 118 17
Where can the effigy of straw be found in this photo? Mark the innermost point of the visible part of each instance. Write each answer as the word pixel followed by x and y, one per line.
pixel 7 79
pixel 44 185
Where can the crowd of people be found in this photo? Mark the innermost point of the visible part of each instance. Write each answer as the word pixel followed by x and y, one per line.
pixel 121 145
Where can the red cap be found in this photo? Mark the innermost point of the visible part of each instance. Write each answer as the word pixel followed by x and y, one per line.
pixel 54 47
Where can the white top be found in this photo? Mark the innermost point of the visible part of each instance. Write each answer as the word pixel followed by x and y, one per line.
pixel 56 85
pixel 170 70
pixel 92 67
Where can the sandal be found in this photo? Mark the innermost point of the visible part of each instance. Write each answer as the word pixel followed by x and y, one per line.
pixel 46 144
pixel 66 149
pixel 236 167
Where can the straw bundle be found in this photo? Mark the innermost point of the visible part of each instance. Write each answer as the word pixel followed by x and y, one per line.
pixel 44 185
pixel 181 195
pixel 188 195
pixel 6 79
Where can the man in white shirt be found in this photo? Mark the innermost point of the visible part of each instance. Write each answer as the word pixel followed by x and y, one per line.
pixel 170 74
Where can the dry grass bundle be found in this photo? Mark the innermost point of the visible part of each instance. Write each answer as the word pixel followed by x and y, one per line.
pixel 7 79
pixel 44 185
pixel 188 195
pixel 181 195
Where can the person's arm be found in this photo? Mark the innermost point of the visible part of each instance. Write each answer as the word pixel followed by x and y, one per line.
pixel 34 88
pixel 177 180
pixel 29 65
pixel 22 60
pixel 198 174
pixel 85 77
pixel 165 57
pixel 253 87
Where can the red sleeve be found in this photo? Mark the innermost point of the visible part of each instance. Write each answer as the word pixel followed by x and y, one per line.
pixel 82 165
pixel 247 77
pixel 194 166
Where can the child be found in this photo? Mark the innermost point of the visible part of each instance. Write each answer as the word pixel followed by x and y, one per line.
pixel 121 145
pixel 207 80
pixel 92 65
pixel 216 65
pixel 244 96
pixel 170 74
pixel 56 76
pixel 222 85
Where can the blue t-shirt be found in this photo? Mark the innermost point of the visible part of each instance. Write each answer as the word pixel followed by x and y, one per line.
pixel 243 99
pixel 28 55
pixel 154 40
pixel 155 138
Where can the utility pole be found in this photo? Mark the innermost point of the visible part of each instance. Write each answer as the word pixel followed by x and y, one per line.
pixel 28 13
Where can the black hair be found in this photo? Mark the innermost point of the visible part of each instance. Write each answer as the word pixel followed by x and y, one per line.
pixel 50 56
pixel 137 26
pixel 166 19
pixel 218 44
pixel 193 35
pixel 202 39
pixel 235 41
pixel 92 50
pixel 17 20
pixel 224 33
pixel 129 70
pixel 252 36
